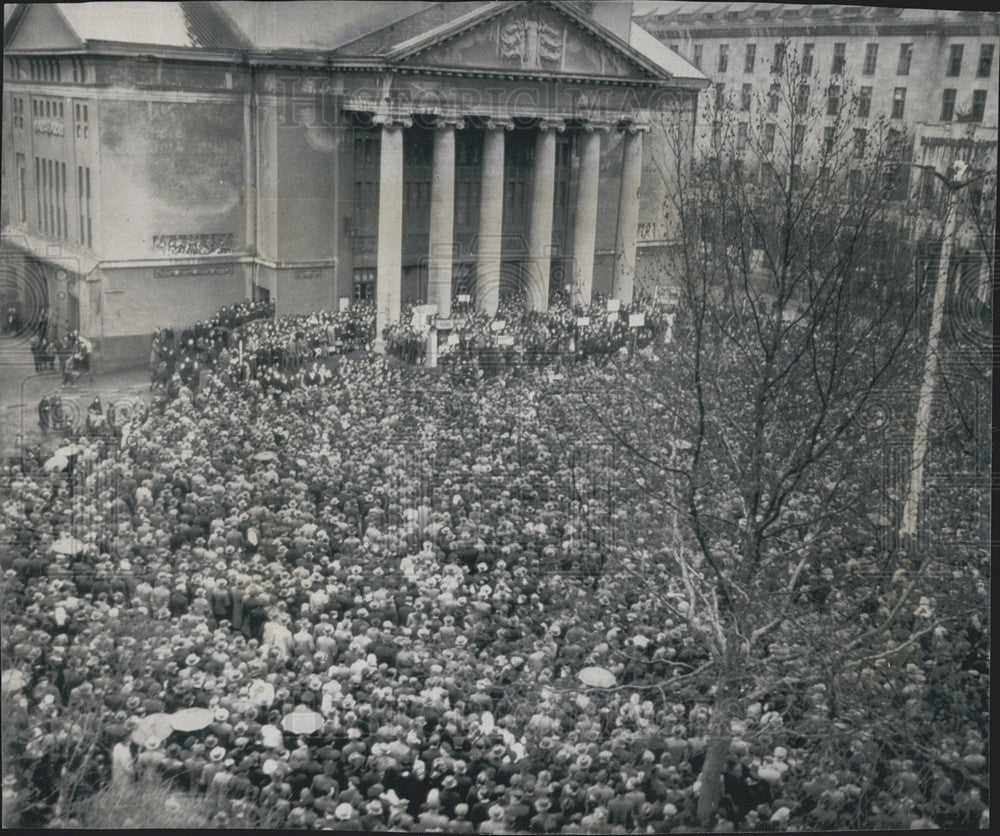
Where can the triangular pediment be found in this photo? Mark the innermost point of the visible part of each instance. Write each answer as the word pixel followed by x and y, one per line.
pixel 41 27
pixel 529 37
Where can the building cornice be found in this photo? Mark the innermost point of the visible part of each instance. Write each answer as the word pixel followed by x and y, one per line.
pixel 772 29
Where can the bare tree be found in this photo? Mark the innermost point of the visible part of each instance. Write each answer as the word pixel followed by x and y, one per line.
pixel 761 430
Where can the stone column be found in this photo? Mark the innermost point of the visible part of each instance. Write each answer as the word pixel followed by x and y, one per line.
pixel 389 263
pixel 490 237
pixel 627 235
pixel 585 226
pixel 543 188
pixel 441 244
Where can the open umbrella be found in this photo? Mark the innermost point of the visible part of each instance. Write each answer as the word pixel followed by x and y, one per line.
pixel 303 721
pixel 70 450
pixel 57 462
pixel 271 737
pixel 191 719
pixel 597 677
pixel 153 727
pixel 68 545
pixel 12 680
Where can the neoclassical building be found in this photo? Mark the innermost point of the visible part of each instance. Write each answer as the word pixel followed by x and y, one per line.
pixel 164 159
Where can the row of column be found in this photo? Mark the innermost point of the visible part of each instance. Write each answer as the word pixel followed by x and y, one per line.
pixel 488 267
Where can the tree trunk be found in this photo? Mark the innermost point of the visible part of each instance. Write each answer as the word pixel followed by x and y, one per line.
pixel 719 738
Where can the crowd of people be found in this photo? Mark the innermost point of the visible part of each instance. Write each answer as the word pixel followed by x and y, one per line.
pixel 245 343
pixel 517 336
pixel 368 550
pixel 386 590
pixel 72 352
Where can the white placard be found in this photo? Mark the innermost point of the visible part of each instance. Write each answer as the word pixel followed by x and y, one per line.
pixel 498 325
pixel 464 297
pixel 636 320
pixel 614 304
pixel 444 324
pixel 454 339
pixel 613 316
pixel 583 321
pixel 345 303
pixel 506 339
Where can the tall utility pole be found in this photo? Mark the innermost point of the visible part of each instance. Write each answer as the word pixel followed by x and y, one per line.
pixel 908 527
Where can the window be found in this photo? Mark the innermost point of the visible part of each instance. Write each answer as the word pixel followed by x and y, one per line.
pixel 798 138
pixel 50 188
pixel 978 105
pixel 802 99
pixel 699 51
pixel 742 132
pixel 720 95
pixel 985 60
pixel 778 64
pixel 856 182
pixel 807 58
pixel 898 102
pixel 955 60
pixel 364 284
pixel 833 100
pixel 772 98
pixel 674 47
pixel 839 58
pixel 948 104
pixel 750 60
pixel 83 197
pixel 860 140
pixel 22 191
pixel 17 112
pixel 871 59
pixel 723 57
pixel 905 56
pixel 829 140
pixel 746 94
pixel 865 102
pixel 769 132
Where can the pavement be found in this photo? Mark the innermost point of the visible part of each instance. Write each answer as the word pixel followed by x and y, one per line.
pixel 21 388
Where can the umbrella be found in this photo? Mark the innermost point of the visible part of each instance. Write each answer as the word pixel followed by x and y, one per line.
pixel 70 450
pixel 68 545
pixel 597 677
pixel 265 456
pixel 12 680
pixel 271 737
pixel 191 719
pixel 153 727
pixel 261 692
pixel 303 721
pixel 57 462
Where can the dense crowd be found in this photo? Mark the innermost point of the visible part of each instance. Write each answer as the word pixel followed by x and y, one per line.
pixel 385 590
pixel 301 542
pixel 245 343
pixel 517 336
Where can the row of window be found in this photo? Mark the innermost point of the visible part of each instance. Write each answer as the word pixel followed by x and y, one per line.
pixel 48 69
pixel 840 58
pixel 51 206
pixel 50 109
pixel 858 147
pixel 50 193
pixel 864 101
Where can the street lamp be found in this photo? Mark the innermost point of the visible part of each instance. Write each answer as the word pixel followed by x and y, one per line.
pixel 953 183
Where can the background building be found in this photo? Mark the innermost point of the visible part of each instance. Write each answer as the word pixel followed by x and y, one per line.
pixel 164 159
pixel 934 73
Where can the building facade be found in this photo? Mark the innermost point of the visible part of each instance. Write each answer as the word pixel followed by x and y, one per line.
pixel 932 74
pixel 316 152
